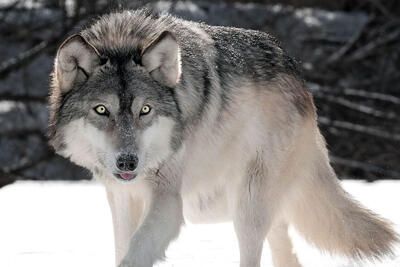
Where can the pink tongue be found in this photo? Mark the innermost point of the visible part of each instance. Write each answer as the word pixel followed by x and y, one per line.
pixel 126 176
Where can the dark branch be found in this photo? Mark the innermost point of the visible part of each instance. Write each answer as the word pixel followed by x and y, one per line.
pixel 14 63
pixel 359 128
pixel 389 174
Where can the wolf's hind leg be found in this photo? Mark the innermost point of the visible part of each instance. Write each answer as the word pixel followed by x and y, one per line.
pixel 250 215
pixel 281 247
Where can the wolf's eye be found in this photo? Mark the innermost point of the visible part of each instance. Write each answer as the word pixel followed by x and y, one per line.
pixel 101 110
pixel 145 110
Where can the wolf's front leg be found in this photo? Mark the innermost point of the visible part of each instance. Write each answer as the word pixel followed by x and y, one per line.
pixel 126 213
pixel 161 225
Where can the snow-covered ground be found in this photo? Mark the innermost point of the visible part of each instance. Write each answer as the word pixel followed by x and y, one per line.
pixel 62 224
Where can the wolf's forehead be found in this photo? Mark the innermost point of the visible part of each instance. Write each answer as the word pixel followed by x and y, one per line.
pixel 109 98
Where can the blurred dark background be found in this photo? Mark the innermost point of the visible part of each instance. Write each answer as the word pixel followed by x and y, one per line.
pixel 349 51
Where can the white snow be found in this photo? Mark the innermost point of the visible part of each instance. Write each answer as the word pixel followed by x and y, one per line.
pixel 62 224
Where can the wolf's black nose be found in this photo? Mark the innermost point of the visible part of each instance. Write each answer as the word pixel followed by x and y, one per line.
pixel 127 162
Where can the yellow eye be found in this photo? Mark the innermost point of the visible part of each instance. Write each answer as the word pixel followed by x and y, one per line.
pixel 101 110
pixel 145 110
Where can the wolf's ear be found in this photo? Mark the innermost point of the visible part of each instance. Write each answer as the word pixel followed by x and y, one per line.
pixel 76 60
pixel 162 59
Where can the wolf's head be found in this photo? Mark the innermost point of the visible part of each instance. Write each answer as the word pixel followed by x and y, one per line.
pixel 113 110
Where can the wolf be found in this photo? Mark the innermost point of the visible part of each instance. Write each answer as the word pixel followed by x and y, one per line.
pixel 184 121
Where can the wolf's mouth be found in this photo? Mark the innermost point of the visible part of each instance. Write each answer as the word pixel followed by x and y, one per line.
pixel 126 176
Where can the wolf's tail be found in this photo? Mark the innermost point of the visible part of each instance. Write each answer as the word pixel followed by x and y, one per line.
pixel 330 219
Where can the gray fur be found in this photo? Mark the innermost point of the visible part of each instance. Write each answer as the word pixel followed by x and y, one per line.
pixel 232 134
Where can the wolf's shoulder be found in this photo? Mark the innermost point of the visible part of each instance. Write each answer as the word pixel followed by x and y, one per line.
pixel 240 36
pixel 226 37
pixel 247 52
